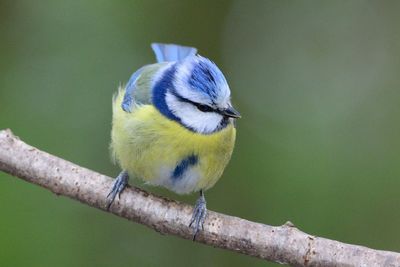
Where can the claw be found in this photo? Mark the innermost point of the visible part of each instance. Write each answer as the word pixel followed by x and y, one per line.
pixel 199 215
pixel 119 185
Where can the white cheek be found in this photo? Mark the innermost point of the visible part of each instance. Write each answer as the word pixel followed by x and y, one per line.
pixel 204 122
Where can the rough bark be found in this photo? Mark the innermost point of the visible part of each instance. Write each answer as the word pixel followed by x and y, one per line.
pixel 283 244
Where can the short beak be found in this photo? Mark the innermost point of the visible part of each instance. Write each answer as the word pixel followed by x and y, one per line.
pixel 231 112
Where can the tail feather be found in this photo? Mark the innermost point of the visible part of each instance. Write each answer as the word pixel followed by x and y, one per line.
pixel 172 52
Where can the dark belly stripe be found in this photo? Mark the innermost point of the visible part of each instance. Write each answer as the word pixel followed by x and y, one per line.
pixel 183 166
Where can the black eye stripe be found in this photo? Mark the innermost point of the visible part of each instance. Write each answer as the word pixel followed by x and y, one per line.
pixel 201 107
pixel 204 108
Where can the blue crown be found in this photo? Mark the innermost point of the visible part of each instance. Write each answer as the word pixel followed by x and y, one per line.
pixel 207 78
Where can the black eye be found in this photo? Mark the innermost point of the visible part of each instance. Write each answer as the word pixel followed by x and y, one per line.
pixel 204 108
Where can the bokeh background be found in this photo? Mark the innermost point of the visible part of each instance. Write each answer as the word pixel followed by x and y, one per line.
pixel 317 83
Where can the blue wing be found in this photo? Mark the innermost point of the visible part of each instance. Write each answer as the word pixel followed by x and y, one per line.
pixel 172 52
pixel 128 99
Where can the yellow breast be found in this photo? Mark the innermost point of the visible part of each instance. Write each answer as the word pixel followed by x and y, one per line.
pixel 150 147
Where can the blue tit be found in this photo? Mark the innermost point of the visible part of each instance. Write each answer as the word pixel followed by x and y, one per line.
pixel 173 125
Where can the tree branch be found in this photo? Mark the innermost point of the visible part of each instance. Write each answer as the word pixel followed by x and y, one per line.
pixel 283 244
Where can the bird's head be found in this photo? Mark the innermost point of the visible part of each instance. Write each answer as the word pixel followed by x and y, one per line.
pixel 199 96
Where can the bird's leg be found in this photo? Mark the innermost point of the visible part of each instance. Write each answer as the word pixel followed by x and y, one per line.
pixel 119 185
pixel 199 215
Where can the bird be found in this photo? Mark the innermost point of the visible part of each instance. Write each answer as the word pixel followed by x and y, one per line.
pixel 173 126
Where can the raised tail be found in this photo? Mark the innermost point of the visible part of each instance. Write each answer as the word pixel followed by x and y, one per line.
pixel 172 52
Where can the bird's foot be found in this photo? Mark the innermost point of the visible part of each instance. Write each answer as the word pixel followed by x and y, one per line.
pixel 199 215
pixel 119 185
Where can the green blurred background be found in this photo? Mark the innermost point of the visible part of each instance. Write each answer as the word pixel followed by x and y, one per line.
pixel 317 83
